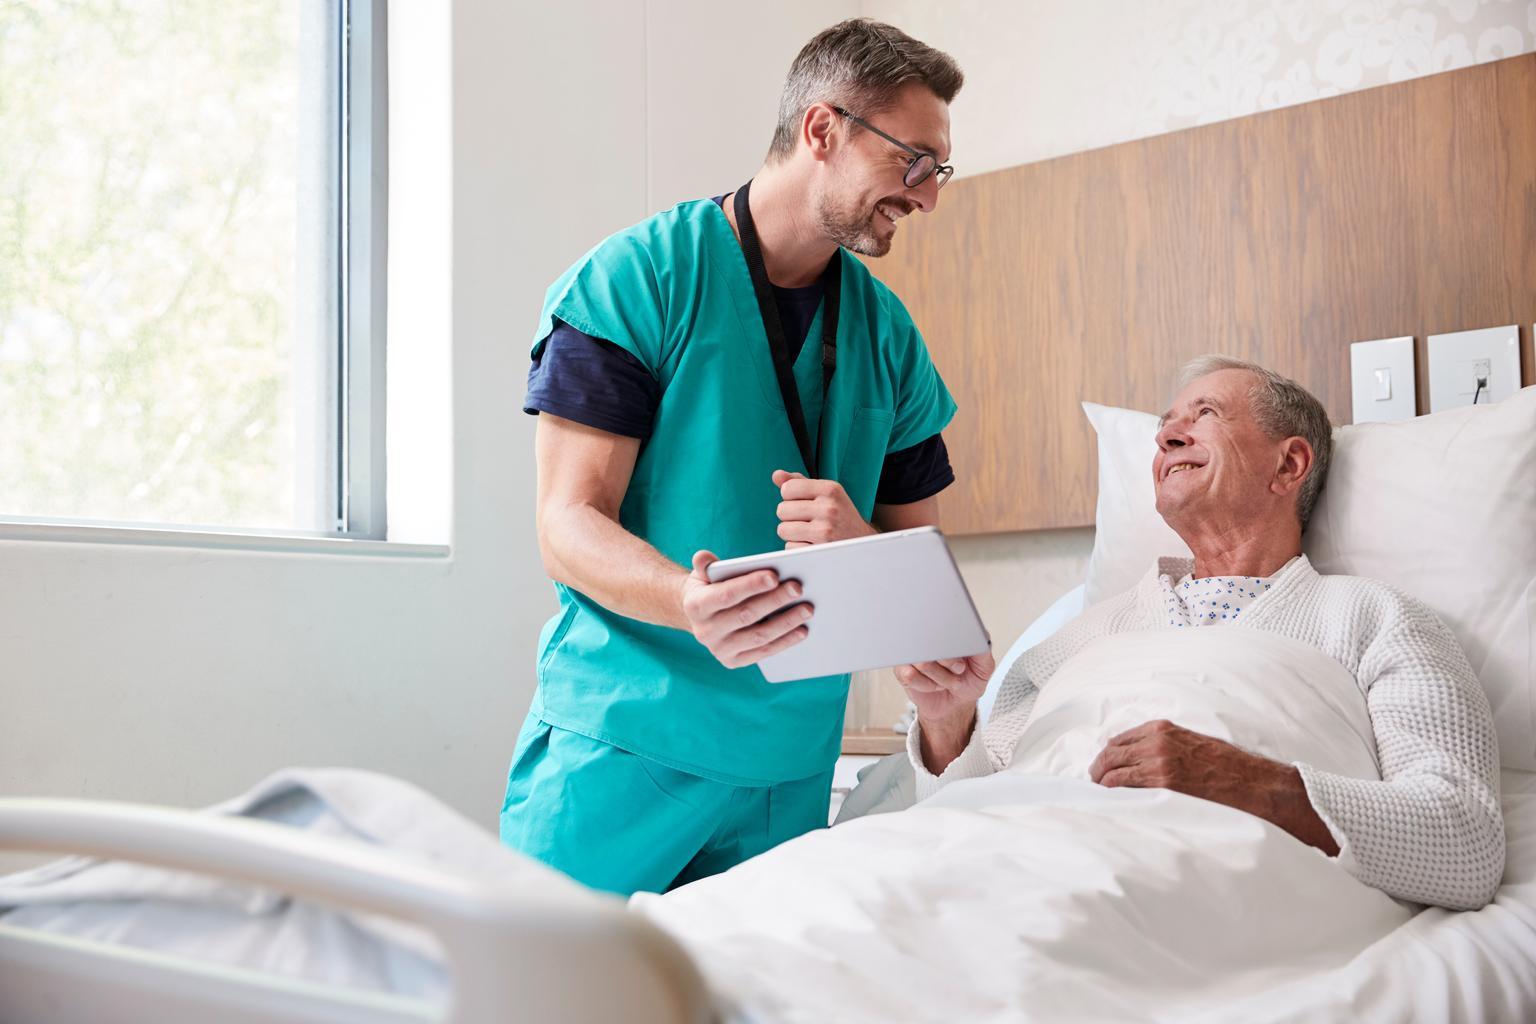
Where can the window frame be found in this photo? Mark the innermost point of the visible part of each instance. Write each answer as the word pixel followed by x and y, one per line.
pixel 354 480
pixel 361 473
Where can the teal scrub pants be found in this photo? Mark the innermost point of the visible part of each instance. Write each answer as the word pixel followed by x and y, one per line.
pixel 624 823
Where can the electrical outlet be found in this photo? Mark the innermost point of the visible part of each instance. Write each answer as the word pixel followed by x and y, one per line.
pixel 1459 360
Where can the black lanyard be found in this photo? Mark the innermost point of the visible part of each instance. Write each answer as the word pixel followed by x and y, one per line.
pixel 778 344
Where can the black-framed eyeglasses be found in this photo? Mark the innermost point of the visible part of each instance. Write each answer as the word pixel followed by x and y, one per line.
pixel 923 165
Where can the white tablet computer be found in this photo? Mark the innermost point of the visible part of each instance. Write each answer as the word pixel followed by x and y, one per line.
pixel 891 599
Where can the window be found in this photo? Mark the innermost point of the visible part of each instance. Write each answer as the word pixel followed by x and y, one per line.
pixel 192 263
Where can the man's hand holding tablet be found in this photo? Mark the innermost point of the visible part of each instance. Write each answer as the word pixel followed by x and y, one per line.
pixel 888 599
pixel 744 619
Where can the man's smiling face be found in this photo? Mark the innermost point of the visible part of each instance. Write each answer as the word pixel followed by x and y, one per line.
pixel 1213 460
pixel 865 196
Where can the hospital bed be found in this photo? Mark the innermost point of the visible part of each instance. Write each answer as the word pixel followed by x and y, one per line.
pixel 509 950
pixel 914 916
pixel 518 952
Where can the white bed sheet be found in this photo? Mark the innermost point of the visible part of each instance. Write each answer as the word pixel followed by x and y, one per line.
pixel 1438 966
pixel 1442 965
pixel 810 932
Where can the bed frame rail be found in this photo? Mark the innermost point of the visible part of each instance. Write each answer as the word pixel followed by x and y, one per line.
pixel 514 955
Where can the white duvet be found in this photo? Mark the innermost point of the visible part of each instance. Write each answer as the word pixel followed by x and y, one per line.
pixel 1035 894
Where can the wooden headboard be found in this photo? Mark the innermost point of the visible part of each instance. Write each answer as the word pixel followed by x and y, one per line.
pixel 1281 238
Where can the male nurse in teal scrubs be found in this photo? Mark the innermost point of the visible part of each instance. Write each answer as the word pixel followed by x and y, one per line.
pixel 716 381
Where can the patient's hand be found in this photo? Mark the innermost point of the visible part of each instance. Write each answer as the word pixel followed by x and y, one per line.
pixel 816 511
pixel 1161 755
pixel 945 693
pixel 943 690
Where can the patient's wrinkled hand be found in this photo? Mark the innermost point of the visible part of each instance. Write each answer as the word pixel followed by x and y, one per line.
pixel 946 691
pixel 744 619
pixel 1161 755
pixel 816 511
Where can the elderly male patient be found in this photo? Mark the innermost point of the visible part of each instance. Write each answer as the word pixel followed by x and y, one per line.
pixel 1241 457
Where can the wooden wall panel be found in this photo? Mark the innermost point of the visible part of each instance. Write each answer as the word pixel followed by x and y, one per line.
pixel 1280 238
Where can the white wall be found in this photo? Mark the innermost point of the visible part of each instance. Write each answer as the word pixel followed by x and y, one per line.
pixel 713 75
pixel 182 675
pixel 1049 77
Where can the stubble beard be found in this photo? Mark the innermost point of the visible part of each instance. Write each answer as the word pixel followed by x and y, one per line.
pixel 849 229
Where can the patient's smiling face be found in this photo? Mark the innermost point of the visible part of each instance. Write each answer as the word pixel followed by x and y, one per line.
pixel 1214 464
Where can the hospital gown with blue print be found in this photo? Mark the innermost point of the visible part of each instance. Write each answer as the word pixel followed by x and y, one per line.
pixel 1209 601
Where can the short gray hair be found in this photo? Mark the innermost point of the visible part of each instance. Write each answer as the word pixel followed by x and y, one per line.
pixel 1282 409
pixel 859 65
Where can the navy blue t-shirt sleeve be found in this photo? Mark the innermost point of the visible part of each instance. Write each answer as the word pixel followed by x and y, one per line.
pixel 593 382
pixel 915 473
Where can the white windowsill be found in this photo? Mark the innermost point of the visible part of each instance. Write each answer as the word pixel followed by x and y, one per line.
pixel 193 537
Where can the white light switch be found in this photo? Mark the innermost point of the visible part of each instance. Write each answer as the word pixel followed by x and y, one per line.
pixel 1459 361
pixel 1381 380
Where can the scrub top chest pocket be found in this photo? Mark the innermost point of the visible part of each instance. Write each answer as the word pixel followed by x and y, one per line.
pixel 863 457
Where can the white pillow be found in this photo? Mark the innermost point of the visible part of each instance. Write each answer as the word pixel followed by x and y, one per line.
pixel 1129 534
pixel 1442 507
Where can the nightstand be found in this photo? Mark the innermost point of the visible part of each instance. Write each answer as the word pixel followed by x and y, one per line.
pixel 876 741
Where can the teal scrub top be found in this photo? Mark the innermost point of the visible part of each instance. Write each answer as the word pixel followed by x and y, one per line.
pixel 674 292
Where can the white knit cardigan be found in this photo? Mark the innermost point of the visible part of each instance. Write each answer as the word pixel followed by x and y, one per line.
pixel 1430 831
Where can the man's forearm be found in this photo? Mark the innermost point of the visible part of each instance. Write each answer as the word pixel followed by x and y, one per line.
pixel 940 742
pixel 586 549
pixel 1283 801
